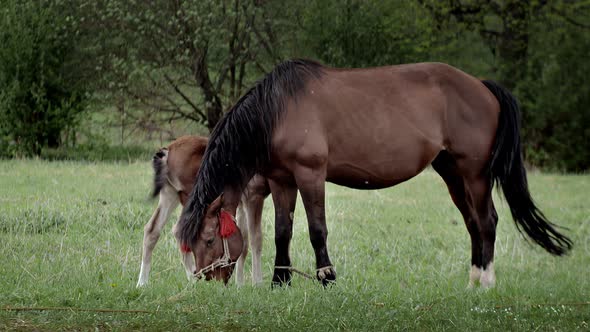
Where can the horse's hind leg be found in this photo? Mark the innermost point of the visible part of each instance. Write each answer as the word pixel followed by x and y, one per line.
pixel 479 193
pixel 167 203
pixel 488 230
pixel 479 188
pixel 473 199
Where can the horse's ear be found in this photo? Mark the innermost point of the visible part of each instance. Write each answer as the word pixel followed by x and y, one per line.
pixel 215 206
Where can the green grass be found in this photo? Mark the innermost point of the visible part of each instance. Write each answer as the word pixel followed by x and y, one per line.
pixel 70 236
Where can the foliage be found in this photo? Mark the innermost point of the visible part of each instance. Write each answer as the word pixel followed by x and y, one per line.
pixel 358 33
pixel 161 67
pixel 40 97
pixel 556 95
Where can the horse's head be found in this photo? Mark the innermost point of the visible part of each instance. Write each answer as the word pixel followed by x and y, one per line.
pixel 218 244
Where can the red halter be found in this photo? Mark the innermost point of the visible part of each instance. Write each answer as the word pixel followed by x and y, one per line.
pixel 184 248
pixel 227 225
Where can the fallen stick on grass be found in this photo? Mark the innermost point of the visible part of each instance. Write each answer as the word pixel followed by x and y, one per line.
pixel 128 311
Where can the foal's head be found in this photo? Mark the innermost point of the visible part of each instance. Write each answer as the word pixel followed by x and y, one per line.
pixel 215 259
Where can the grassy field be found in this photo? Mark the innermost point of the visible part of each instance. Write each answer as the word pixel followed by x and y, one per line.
pixel 70 236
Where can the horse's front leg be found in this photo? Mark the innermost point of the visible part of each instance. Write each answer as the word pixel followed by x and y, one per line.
pixel 284 198
pixel 311 183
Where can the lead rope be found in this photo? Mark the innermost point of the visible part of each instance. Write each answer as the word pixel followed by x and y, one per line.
pixel 305 275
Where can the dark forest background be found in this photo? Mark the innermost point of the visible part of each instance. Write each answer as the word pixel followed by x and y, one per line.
pixel 105 79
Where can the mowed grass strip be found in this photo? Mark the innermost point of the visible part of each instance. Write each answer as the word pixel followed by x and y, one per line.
pixel 71 232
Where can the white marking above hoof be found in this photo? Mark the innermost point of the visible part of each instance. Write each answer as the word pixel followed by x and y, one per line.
pixel 325 271
pixel 474 276
pixel 488 277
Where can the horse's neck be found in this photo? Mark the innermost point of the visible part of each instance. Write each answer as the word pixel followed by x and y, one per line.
pixel 231 199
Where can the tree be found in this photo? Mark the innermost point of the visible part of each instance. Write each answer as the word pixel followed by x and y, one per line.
pixel 182 59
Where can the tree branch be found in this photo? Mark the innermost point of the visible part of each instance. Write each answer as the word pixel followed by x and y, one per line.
pixel 184 97
pixel 570 20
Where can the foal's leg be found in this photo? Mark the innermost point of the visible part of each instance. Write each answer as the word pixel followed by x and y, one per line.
pixel 311 183
pixel 284 198
pixel 243 226
pixel 188 260
pixel 167 203
pixel 446 167
pixel 255 204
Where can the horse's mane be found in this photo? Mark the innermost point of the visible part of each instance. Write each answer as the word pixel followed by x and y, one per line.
pixel 239 146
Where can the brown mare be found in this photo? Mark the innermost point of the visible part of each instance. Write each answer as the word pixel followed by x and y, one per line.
pixel 176 168
pixel 305 124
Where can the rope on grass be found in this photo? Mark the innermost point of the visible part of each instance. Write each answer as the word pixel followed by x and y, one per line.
pixel 124 311
pixel 292 269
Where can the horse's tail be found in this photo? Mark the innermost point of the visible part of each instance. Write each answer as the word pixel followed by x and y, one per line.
pixel 240 144
pixel 507 170
pixel 160 165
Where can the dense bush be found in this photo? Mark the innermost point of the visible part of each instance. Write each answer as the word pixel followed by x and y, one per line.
pixel 39 95
pixel 555 97
pixel 99 152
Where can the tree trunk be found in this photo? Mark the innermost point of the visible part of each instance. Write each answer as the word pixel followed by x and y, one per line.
pixel 212 101
pixel 213 116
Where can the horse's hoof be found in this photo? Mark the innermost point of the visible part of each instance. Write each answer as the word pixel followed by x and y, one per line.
pixel 327 275
pixel 280 284
pixel 281 277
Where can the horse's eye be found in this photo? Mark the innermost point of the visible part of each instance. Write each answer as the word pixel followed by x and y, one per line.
pixel 210 242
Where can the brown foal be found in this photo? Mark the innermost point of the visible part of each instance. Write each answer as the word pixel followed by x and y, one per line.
pixel 176 168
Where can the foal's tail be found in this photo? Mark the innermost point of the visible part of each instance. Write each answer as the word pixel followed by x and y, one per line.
pixel 507 170
pixel 159 163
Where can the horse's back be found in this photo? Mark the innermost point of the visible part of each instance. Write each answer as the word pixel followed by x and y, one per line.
pixel 433 105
